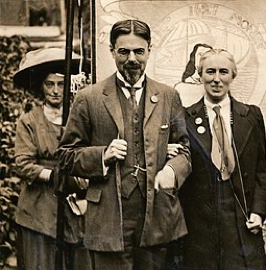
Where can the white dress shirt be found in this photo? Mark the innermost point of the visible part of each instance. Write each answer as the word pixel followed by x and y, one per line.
pixel 138 84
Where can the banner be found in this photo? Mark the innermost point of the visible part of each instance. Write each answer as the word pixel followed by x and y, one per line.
pixel 182 31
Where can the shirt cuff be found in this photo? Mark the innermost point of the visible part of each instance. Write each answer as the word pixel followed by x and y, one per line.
pixel 176 180
pixel 105 168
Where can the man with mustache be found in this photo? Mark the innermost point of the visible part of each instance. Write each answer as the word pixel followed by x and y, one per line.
pixel 117 136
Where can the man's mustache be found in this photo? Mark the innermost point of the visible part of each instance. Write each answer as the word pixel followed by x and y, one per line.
pixel 132 66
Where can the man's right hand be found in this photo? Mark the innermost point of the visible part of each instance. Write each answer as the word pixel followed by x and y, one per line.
pixel 116 150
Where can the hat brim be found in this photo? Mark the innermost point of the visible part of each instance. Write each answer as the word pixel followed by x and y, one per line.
pixel 25 78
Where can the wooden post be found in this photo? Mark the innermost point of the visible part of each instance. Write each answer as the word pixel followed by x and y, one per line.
pixel 93 42
pixel 62 177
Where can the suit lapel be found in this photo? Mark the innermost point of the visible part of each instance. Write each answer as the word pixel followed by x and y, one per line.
pixel 242 125
pixel 198 127
pixel 112 104
pixel 152 97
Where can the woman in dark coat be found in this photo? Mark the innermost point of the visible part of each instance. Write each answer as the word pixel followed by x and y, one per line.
pixel 224 198
pixel 37 138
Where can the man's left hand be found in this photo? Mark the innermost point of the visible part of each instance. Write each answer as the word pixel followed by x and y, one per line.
pixel 165 178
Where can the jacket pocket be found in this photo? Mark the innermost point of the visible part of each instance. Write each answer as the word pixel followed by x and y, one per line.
pixel 94 195
pixel 168 222
pixel 166 199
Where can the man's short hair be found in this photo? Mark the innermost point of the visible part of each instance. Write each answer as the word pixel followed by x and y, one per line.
pixel 138 28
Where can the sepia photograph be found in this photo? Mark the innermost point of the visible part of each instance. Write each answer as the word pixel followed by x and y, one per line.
pixel 132 135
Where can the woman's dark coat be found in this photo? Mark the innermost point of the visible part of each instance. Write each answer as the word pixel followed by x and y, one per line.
pixel 200 198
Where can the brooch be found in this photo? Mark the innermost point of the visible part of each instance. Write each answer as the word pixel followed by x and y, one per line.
pixel 201 129
pixel 198 120
pixel 154 99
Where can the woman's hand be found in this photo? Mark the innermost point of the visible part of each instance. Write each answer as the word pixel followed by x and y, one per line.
pixel 173 150
pixel 255 223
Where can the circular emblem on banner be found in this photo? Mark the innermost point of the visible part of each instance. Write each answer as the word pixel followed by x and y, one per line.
pixel 191 30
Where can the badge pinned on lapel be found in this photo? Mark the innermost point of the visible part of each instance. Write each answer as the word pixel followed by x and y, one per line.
pixel 201 129
pixel 198 121
pixel 154 99
pixel 163 127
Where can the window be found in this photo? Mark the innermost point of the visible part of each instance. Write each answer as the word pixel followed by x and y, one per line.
pixel 27 16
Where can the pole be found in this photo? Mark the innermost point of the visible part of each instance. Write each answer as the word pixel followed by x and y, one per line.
pixel 93 42
pixel 62 177
pixel 69 42
pixel 63 16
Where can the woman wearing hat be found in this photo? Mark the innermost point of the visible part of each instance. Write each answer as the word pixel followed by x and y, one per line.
pixel 37 137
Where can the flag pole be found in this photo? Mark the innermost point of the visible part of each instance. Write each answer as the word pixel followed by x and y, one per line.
pixel 93 41
pixel 62 177
pixel 68 59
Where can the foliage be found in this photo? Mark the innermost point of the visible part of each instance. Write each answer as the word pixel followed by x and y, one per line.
pixel 12 49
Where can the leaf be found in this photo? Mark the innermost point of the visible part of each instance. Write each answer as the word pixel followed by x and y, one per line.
pixel 14 180
pixel 12 236
pixel 11 261
pixel 12 49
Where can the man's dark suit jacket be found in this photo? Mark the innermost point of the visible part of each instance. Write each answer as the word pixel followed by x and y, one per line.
pixel 95 120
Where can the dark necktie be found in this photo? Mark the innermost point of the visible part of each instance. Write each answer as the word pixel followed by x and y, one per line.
pixel 222 152
pixel 132 90
pixel 133 99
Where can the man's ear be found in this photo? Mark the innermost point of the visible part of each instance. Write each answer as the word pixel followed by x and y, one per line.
pixel 112 50
pixel 149 50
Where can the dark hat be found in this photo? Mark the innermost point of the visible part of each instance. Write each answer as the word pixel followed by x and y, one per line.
pixel 39 62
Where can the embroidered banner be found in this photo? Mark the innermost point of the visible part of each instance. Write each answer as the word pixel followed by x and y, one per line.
pixel 182 31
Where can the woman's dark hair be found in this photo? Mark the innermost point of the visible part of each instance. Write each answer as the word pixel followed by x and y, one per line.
pixel 37 78
pixel 190 67
pixel 126 27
